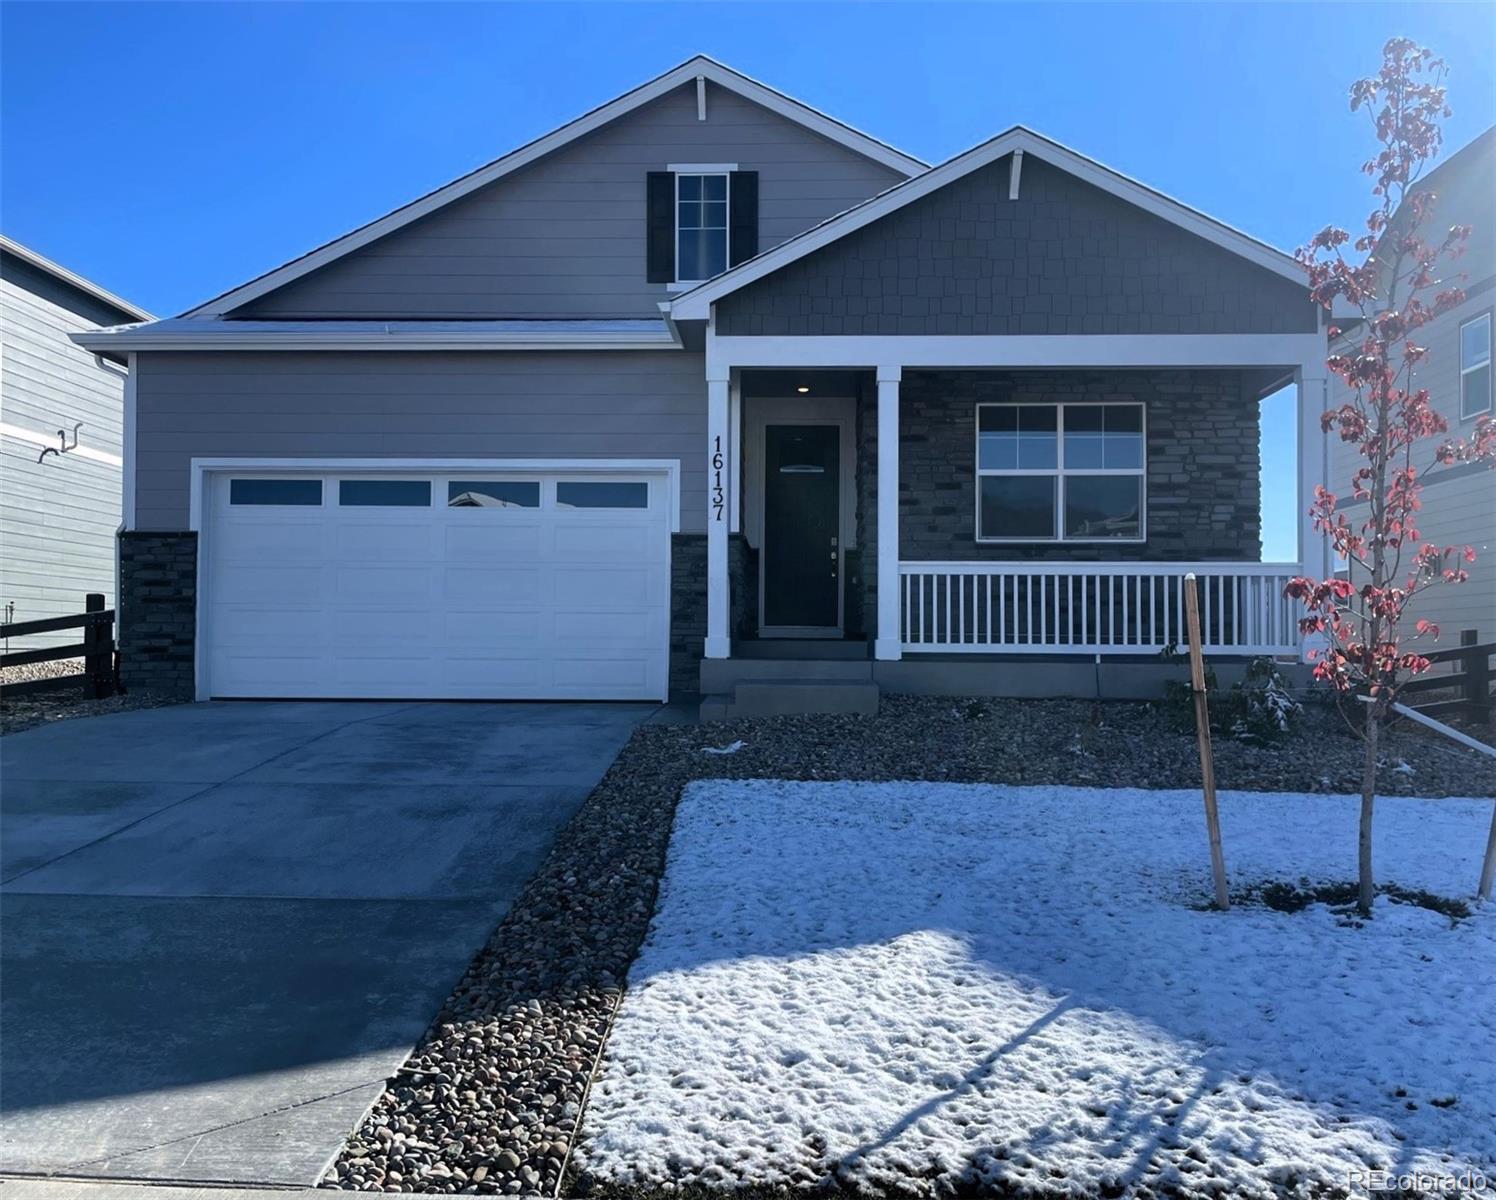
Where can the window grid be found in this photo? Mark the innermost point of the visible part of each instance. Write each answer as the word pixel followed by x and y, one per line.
pixel 703 213
pixel 1060 472
pixel 1478 366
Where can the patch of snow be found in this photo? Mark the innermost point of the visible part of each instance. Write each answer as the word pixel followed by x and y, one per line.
pixel 888 983
pixel 730 748
pixel 1404 767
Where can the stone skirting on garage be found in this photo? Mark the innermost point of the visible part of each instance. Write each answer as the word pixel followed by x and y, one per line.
pixel 158 611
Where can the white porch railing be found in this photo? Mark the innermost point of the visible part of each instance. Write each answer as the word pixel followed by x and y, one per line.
pixel 1094 608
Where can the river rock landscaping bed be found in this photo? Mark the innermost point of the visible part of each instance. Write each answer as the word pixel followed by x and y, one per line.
pixel 19 713
pixel 490 1099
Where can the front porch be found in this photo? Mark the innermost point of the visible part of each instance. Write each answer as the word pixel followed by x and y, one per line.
pixel 910 570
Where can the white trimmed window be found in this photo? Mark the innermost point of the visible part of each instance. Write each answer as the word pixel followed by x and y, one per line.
pixel 700 226
pixel 1061 473
pixel 1475 366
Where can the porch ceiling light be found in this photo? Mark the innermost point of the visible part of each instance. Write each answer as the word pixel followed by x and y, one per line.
pixel 802 389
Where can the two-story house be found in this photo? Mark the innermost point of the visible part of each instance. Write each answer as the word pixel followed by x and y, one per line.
pixel 1459 502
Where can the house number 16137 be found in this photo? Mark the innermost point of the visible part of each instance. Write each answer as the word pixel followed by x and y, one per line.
pixel 719 496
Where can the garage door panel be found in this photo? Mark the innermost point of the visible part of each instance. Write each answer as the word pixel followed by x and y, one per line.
pixel 604 543
pixel 267 584
pixel 492 589
pixel 485 542
pixel 407 542
pixel 383 585
pixel 460 602
pixel 583 587
pixel 284 628
pixel 247 541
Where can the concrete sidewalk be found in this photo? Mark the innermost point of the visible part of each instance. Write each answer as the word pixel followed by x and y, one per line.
pixel 226 924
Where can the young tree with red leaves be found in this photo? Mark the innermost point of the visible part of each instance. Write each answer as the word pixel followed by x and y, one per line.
pixel 1397 287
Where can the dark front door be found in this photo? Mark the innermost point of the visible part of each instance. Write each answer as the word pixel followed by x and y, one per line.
pixel 801 559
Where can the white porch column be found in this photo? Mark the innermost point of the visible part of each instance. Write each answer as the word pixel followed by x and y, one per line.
pixel 1312 383
pixel 887 645
pixel 719 502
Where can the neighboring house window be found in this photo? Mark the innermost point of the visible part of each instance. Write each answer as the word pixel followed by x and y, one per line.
pixel 1475 366
pixel 700 227
pixel 1060 472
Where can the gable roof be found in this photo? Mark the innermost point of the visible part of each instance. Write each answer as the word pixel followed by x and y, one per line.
pixel 698 67
pixel 72 279
pixel 696 304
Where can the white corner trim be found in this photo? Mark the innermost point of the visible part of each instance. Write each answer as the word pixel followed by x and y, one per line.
pixel 202 467
pixel 697 68
pixel 694 305
pixel 702 168
pixel 127 448
pixel 1015 173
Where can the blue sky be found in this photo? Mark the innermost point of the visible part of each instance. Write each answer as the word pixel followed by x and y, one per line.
pixel 171 151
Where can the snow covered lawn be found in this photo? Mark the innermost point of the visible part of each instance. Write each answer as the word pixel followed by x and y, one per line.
pixel 899 982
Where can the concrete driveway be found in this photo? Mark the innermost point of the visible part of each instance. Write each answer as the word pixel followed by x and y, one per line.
pixel 226 924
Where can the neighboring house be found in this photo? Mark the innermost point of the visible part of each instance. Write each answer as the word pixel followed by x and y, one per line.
pixel 708 375
pixel 59 512
pixel 1459 503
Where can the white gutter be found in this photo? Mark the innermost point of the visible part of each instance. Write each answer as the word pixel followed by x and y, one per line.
pixel 144 338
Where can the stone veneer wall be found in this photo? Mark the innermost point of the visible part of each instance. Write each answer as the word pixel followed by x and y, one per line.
pixel 158 611
pixel 1202 467
pixel 688 602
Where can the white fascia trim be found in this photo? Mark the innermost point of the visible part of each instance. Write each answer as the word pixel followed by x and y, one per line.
pixel 73 279
pixel 694 305
pixel 686 73
pixel 1037 350
pixel 202 467
pixel 228 338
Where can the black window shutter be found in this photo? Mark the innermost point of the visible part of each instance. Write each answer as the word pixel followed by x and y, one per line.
pixel 659 207
pixel 742 237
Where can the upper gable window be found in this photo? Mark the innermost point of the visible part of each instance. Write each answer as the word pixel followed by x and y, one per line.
pixel 700 226
pixel 1475 366
pixel 702 219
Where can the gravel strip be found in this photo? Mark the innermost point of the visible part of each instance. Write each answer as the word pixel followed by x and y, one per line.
pixel 489 1100
pixel 42 708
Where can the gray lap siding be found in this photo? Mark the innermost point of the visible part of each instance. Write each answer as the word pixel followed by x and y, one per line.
pixel 388 404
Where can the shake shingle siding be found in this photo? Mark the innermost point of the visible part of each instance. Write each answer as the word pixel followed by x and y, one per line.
pixel 1064 258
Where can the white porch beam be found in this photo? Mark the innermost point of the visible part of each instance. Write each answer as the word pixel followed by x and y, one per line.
pixel 1038 350
pixel 888 644
pixel 719 503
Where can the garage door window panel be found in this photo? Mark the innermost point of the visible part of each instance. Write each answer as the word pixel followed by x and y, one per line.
pixel 286 493
pixel 601 494
pixel 463 493
pixel 384 493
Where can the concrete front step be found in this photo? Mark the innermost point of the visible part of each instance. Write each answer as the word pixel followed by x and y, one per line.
pixel 789 697
pixel 721 675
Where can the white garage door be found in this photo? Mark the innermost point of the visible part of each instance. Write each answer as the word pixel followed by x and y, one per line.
pixel 520 586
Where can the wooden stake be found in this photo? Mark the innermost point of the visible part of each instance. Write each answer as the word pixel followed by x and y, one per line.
pixel 1202 733
pixel 1488 868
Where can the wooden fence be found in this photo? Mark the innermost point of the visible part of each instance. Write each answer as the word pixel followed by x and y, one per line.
pixel 100 676
pixel 1472 680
